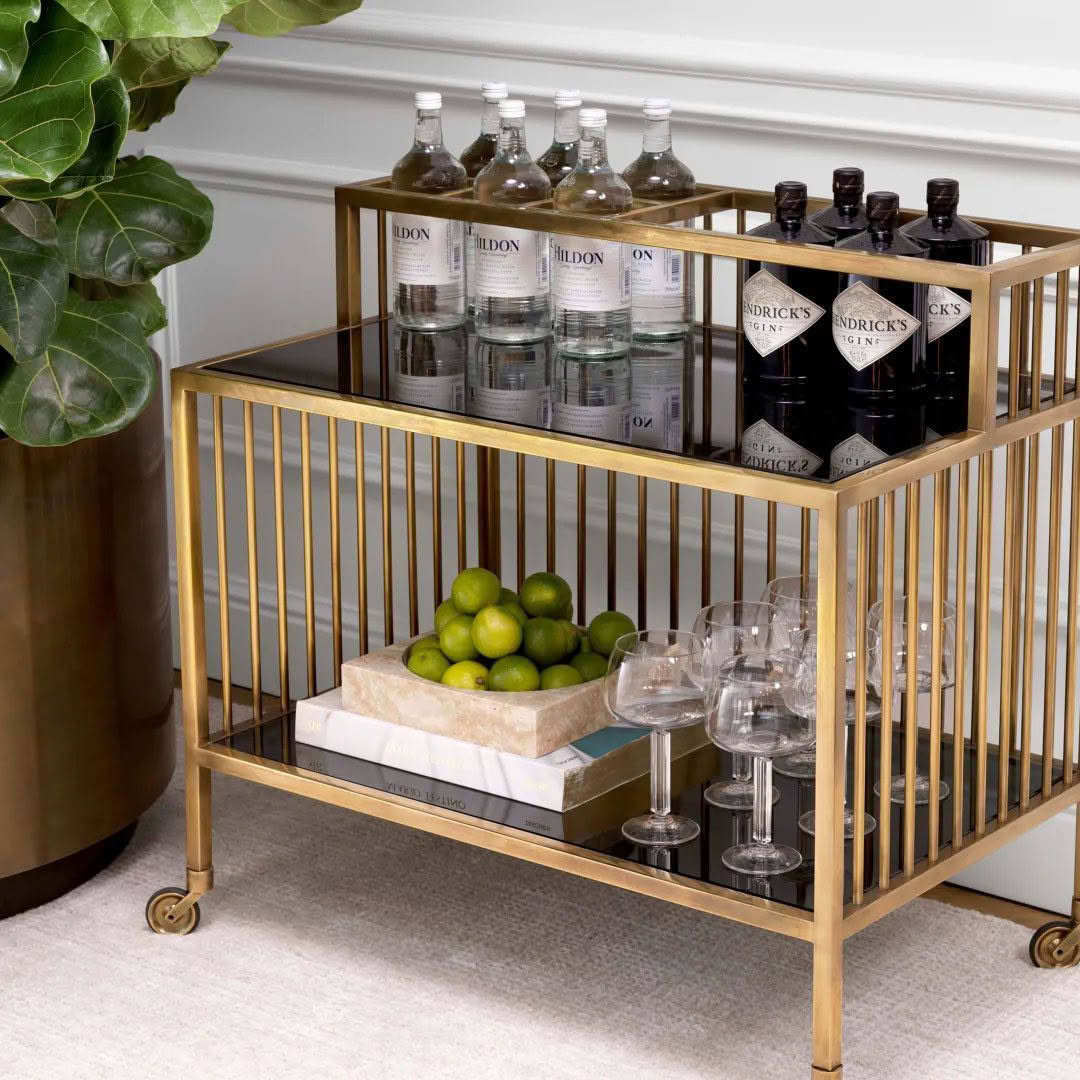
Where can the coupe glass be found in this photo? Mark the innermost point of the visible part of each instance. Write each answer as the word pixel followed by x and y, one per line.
pixel 656 680
pixel 736 628
pixel 761 704
pixel 921 660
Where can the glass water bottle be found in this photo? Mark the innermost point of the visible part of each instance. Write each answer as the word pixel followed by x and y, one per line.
pixel 559 159
pixel 592 397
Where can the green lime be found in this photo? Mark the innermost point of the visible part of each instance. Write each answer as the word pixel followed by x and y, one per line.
pixel 559 675
pixel 589 665
pixel 515 609
pixel 474 589
pixel 428 664
pixel 568 611
pixel 572 634
pixel 583 643
pixel 495 632
pixel 514 673
pixel 544 641
pixel 428 641
pixel 466 675
pixel 456 638
pixel 606 629
pixel 443 614
pixel 545 594
pixel 507 596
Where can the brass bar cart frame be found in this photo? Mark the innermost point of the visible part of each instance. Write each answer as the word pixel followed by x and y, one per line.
pixel 864 504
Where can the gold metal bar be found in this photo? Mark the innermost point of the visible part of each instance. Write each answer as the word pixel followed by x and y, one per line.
pixel 1036 345
pixel 279 547
pixel 1007 619
pixel 804 543
pixel 937 607
pixel 1061 332
pixel 482 510
pixel 962 498
pixel 1016 302
pixel 361 539
pixel 493 513
pixel 551 516
pixel 673 553
pixel 582 566
pixel 1053 570
pixel 335 544
pixel 875 543
pixel 707 343
pixel 519 517
pixel 770 542
pixel 388 538
pixel 980 689
pixel 410 530
pixel 642 552
pixel 1072 618
pixel 253 559
pixel 222 565
pixel 706 546
pixel 347 258
pixel 612 542
pixel 1029 622
pixel 911 719
pixel 436 521
pixel 737 564
pixel 862 567
pixel 1025 327
pixel 1016 575
pixel 309 548
pixel 384 306
pixel 738 569
pixel 888 697
pixel 462 538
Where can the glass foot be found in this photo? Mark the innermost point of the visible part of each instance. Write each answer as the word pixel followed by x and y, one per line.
pixel 922 789
pixel 761 860
pixel 806 823
pixel 799 766
pixel 734 795
pixel 660 830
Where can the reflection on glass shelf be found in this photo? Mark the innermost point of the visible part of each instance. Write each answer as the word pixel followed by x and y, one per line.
pixel 511 382
pixel 428 369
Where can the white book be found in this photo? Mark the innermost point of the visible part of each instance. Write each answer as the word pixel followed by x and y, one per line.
pixel 557 781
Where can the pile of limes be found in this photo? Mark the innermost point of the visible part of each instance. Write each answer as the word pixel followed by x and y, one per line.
pixel 490 638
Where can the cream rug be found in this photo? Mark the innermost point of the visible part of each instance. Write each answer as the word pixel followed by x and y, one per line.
pixel 336 946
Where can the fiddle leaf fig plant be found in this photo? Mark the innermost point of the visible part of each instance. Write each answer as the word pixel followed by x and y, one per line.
pixel 84 230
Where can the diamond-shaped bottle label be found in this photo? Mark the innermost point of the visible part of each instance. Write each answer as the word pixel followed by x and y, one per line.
pixel 866 326
pixel 774 314
pixel 763 447
pixel 852 454
pixel 947 309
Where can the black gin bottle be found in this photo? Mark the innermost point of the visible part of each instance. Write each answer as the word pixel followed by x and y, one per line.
pixel 785 308
pixel 878 323
pixel 948 238
pixel 847 215
pixel 870 429
pixel 786 429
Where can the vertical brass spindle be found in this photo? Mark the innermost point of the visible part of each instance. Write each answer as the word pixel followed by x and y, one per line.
pixel 279 545
pixel 1016 301
pixel 436 521
pixel 551 516
pixel 1036 344
pixel 962 497
pixel 253 559
pixel 1030 548
pixel 707 344
pixel 335 544
pixel 937 607
pixel 222 565
pixel 740 344
pixel 706 546
pixel 888 697
pixel 612 542
pixel 519 517
pixel 581 537
pixel 770 541
pixel 673 554
pixel 361 539
pixel 1017 493
pixel 1072 617
pixel 980 689
pixel 642 552
pixel 1053 570
pixel 858 845
pixel 1007 620
pixel 410 529
pixel 739 528
pixel 462 538
pixel 804 544
pixel 875 544
pixel 1061 333
pixel 911 718
pixel 384 306
pixel 388 539
pixel 309 552
pixel 1025 332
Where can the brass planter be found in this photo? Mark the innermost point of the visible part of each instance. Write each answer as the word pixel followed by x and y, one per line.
pixel 86 743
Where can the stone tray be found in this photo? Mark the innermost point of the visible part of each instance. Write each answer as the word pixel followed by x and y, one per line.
pixel 530 724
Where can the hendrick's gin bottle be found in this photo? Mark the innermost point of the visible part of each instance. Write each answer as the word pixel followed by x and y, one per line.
pixel 847 215
pixel 878 323
pixel 783 429
pixel 785 308
pixel 870 429
pixel 948 238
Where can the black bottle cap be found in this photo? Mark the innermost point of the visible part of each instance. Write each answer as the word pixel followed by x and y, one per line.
pixel 847 185
pixel 790 199
pixel 942 196
pixel 882 208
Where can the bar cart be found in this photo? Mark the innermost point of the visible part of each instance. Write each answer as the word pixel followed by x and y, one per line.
pixel 978 734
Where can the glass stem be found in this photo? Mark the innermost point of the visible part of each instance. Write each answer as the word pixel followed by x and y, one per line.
pixel 762 800
pixel 660 755
pixel 741 768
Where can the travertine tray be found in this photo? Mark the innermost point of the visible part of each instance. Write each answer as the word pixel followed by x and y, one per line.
pixel 530 724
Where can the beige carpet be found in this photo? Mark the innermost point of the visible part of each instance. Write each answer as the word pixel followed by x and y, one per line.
pixel 339 947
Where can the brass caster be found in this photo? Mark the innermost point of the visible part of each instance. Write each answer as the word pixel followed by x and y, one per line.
pixel 1045 946
pixel 159 915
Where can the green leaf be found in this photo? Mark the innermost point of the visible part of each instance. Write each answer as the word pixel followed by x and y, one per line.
pixel 94 378
pixel 33 278
pixel 46 119
pixel 154 104
pixel 141 300
pixel 144 219
pixel 99 158
pixel 14 15
pixel 127 19
pixel 269 17
pixel 160 61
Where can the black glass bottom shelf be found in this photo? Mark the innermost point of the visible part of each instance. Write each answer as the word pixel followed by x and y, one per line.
pixel 596 825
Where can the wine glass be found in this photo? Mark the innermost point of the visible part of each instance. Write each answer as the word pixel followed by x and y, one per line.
pixel 656 680
pixel 734 628
pixel 922 660
pixel 761 704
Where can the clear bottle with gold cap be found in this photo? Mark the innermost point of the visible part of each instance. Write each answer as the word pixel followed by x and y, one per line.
pixel 559 159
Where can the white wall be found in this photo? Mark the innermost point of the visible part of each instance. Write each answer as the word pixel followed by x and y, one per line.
pixel 963 90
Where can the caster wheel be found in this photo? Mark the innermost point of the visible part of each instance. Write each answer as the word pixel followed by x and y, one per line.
pixel 1046 939
pixel 157 913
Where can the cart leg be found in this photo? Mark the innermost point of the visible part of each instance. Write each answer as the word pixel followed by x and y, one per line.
pixel 1057 944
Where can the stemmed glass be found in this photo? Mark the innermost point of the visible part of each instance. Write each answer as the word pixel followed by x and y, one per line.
pixel 922 660
pixel 656 680
pixel 735 628
pixel 761 704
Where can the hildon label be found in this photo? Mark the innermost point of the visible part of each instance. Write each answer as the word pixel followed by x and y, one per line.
pixel 590 274
pixel 774 314
pixel 867 327
pixel 763 447
pixel 947 309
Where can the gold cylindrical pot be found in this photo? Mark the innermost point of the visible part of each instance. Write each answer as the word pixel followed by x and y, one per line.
pixel 86 742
